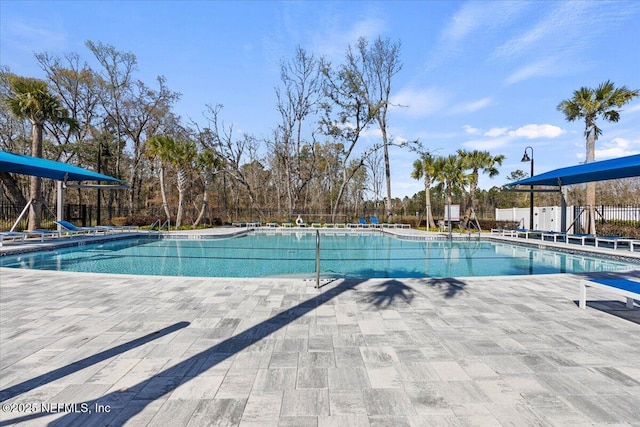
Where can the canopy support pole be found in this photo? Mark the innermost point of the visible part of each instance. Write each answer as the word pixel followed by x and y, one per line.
pixel 60 204
pixel 563 207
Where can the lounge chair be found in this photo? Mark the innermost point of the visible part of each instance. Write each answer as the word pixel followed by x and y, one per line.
pixel 316 224
pixel 582 238
pixel 505 232
pixel 70 228
pixel 374 222
pixel 11 235
pixel 526 233
pixel 614 240
pixel 554 235
pixel 625 287
pixel 362 223
pixel 117 227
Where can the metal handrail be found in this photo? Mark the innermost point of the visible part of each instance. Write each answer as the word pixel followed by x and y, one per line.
pixel 160 225
pixel 317 259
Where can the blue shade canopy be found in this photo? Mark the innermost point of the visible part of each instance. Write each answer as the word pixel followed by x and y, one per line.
pixel 622 167
pixel 27 165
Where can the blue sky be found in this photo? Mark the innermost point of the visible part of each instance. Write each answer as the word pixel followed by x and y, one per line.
pixel 476 75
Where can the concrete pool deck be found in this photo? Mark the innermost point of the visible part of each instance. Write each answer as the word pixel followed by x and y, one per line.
pixel 277 352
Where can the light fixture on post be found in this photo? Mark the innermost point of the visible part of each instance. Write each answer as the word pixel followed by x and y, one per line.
pixel 526 158
pixel 103 150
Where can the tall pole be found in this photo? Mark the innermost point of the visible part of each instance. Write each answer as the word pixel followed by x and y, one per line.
pixel 531 198
pixel 526 158
pixel 98 202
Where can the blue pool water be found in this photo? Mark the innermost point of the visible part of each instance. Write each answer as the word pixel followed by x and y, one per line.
pixel 260 255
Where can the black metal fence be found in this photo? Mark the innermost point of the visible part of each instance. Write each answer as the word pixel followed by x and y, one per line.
pixel 86 215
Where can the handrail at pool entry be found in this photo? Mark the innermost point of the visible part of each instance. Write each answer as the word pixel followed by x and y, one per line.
pixel 317 259
pixel 160 225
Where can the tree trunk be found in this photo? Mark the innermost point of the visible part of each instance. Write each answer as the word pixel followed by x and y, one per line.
pixel 427 199
pixel 591 186
pixel 387 169
pixel 163 192
pixel 12 189
pixel 205 204
pixel 35 188
pixel 182 185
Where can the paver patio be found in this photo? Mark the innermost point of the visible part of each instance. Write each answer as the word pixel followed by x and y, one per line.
pixel 181 351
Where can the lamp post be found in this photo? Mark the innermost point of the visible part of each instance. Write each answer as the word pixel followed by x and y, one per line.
pixel 526 158
pixel 103 150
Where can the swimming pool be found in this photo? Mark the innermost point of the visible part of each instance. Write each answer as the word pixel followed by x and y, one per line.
pixel 282 255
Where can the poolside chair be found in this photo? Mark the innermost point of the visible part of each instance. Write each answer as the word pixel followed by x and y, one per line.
pixel 70 228
pixel 374 222
pixel 11 235
pixel 582 238
pixel 43 233
pixel 504 232
pixel 554 235
pixel 614 240
pixel 117 227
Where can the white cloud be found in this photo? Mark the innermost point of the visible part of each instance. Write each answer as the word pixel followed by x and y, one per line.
pixel 494 132
pixel 419 102
pixel 334 40
pixel 488 143
pixel 471 130
pixel 617 147
pixel 471 20
pixel 45 35
pixel 632 109
pixel 470 107
pixel 500 137
pixel 544 67
pixel 537 131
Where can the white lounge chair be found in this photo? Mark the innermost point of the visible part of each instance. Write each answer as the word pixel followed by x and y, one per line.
pixel 554 235
pixel 11 235
pixel 614 240
pixel 582 238
pixel 68 227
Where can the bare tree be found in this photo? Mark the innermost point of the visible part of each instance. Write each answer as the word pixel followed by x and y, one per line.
pixel 379 63
pixel 297 100
pixel 233 151
pixel 347 113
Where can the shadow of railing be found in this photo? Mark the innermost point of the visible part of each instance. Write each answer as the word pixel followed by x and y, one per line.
pixel 168 380
pixel 56 374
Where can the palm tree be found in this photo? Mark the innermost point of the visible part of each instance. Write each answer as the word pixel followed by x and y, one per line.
pixel 209 164
pixel 182 156
pixel 425 168
pixel 31 100
pixel 159 147
pixel 449 172
pixel 478 161
pixel 590 104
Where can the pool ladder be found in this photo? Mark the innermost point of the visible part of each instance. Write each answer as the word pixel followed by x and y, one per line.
pixel 160 225
pixel 317 259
